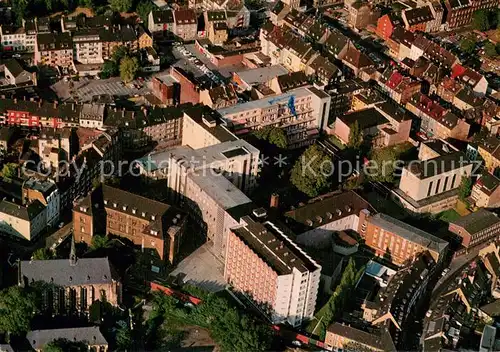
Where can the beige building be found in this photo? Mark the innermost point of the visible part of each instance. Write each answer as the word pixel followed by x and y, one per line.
pixel 485 192
pixel 302 113
pixel 22 221
pixel 264 263
pixel 431 186
pixel 54 50
pixel 185 24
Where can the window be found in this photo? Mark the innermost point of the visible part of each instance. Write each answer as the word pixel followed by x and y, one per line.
pixel 453 181
pixel 445 183
pixel 429 190
pixel 437 186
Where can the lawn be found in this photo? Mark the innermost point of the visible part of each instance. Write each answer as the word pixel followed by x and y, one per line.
pixel 449 215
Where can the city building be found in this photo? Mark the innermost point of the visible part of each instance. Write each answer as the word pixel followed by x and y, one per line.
pixel 20 221
pixel 185 24
pixel 386 25
pixel 485 192
pixel 342 336
pixel 156 227
pixel 459 13
pixel 479 227
pixel 75 283
pixel 488 149
pixel 431 186
pixel 13 38
pixel 219 97
pixel 398 241
pixel 16 75
pixel 417 19
pixel 436 121
pixel 471 78
pixel 361 14
pixel 90 336
pixel 46 192
pixel 54 50
pixel 302 113
pixel 398 87
pixel 262 262
pixel 161 22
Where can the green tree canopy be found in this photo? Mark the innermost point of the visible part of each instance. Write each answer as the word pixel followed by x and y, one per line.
pixel 9 170
pixel 121 5
pixel 355 136
pixel 311 173
pixel 467 45
pixel 99 241
pixel 273 135
pixel 382 165
pixel 17 308
pixel 43 254
pixel 128 68
pixel 490 49
pixel 123 338
pixel 465 188
pixel 143 9
pixel 481 20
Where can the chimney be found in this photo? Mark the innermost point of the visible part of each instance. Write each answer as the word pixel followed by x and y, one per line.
pixel 275 197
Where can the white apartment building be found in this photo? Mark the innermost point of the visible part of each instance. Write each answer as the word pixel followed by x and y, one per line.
pixel 12 38
pixel 20 221
pixel 87 47
pixel 431 186
pixel 265 264
pixel 302 113
pixel 48 194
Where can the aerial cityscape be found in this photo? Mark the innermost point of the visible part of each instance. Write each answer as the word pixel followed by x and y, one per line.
pixel 249 175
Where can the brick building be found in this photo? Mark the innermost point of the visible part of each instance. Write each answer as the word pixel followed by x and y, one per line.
pixel 156 227
pixel 476 228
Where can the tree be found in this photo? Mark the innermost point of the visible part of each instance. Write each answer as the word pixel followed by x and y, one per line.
pixel 120 5
pixel 9 170
pixel 65 345
pixel 17 308
pixel 465 188
pixel 119 53
pixel 20 9
pixel 110 69
pixel 311 173
pixel 128 68
pixel 467 45
pixel 273 135
pixel 383 165
pixel 100 242
pixel 42 254
pixel 123 338
pixel 355 136
pixel 481 20
pixel 490 49
pixel 143 9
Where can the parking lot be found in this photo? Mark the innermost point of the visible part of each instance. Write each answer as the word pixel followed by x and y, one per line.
pixel 84 89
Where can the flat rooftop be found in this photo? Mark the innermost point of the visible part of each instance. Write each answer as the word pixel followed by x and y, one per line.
pixel 267 102
pixel 261 74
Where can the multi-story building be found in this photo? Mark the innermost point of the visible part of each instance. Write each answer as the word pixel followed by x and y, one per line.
pixel 471 78
pixel 219 97
pixel 459 12
pixel 386 25
pixel 437 121
pixel 154 226
pixel 362 14
pixel 185 24
pixel 398 241
pixel 75 283
pixel 30 27
pixel 12 38
pixel 417 19
pixel 345 337
pixel 216 26
pixel 87 47
pixel 489 150
pixel 302 113
pixel 54 50
pixel 485 192
pixel 432 185
pixel 161 21
pixel 477 228
pixel 398 87
pixel 22 221
pixel 437 13
pixel 90 336
pixel 47 193
pixel 264 263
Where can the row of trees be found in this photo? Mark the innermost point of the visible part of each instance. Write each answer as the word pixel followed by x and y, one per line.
pixel 484 20
pixel 337 302
pixel 231 329
pixel 26 9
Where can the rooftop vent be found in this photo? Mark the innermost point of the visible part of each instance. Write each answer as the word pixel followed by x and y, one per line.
pixel 309 222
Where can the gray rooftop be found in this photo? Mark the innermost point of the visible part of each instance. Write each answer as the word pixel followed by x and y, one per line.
pixel 477 221
pixel 261 74
pixel 60 272
pixel 90 335
pixel 409 232
pixel 220 189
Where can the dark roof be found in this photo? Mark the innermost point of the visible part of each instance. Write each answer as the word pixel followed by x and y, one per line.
pixel 418 15
pixel 366 118
pixel 274 247
pixel 336 42
pixel 68 112
pixel 401 35
pixel 90 335
pixel 467 95
pixel 323 67
pixel 458 3
pixel 164 16
pixel 395 111
pixel 216 16
pixel 211 121
pixel 488 183
pixel 438 165
pixel 292 80
pixel 61 272
pixel 14 67
pixel 185 17
pixel 492 309
pixel 356 58
pixel 28 212
pixel 278 7
pixel 476 221
pixel 54 41
pixel 324 210
pixel 495 265
pixel 222 93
